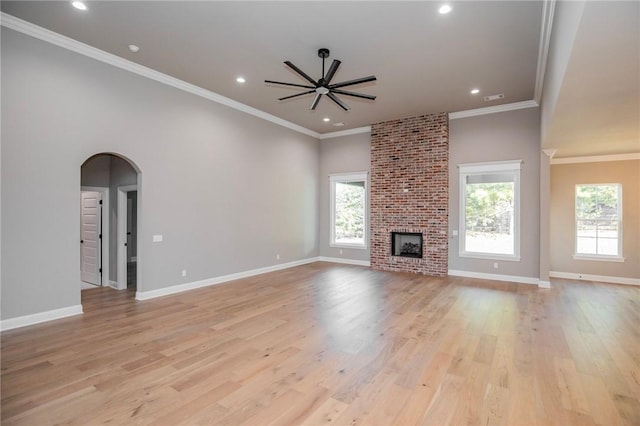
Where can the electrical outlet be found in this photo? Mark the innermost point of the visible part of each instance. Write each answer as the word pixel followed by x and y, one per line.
pixel 277 257
pixel 495 265
pixel 340 251
pixel 184 272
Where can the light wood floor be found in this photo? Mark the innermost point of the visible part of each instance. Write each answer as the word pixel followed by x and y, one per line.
pixel 334 344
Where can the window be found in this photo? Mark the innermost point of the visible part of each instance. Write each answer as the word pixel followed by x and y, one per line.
pixel 599 221
pixel 348 210
pixel 490 210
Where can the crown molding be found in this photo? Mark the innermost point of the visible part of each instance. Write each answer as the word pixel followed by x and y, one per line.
pixel 597 158
pixel 493 109
pixel 548 8
pixel 366 129
pixel 54 38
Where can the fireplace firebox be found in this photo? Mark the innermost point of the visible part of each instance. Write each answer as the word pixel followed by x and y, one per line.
pixel 406 244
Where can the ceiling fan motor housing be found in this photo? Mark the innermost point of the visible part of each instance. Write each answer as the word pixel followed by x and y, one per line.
pixel 323 86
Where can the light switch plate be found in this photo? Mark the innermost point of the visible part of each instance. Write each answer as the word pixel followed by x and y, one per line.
pixel 157 238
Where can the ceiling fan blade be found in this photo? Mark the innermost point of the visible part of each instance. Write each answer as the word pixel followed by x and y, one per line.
pixel 335 99
pixel 314 104
pixel 289 84
pixel 332 70
pixel 357 95
pixel 302 73
pixel 351 82
pixel 296 95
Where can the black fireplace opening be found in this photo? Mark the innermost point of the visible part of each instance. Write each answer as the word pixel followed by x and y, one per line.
pixel 406 244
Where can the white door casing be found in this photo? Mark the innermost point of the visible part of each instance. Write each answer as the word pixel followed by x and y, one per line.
pixel 90 244
pixel 122 236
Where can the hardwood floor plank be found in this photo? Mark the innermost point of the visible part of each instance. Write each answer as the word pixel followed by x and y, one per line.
pixel 333 344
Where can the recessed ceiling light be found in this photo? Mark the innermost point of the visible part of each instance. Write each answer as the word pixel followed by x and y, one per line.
pixel 339 124
pixel 475 91
pixel 79 5
pixel 133 48
pixel 241 80
pixel 326 119
pixel 444 9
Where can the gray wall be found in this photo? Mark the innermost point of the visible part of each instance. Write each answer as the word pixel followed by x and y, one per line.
pixel 341 155
pixel 512 135
pixel 228 191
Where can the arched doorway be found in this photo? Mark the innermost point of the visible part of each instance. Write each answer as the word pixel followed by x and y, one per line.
pixel 109 219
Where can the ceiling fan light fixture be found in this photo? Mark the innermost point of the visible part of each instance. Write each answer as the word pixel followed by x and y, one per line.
pixel 323 86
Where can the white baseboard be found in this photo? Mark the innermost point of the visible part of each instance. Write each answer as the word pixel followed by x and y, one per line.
pixel 599 278
pixel 544 284
pixel 32 319
pixel 113 284
pixel 345 261
pixel 152 294
pixel 495 277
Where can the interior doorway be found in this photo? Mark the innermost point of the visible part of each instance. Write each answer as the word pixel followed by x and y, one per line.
pixel 109 219
pixel 128 237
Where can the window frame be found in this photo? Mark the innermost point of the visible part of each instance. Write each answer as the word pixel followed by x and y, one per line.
pixel 476 169
pixel 345 178
pixel 600 257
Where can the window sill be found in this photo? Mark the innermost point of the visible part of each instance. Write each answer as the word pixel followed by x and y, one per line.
pixel 598 258
pixel 490 256
pixel 348 246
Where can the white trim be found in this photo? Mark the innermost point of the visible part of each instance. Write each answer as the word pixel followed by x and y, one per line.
pixel 491 167
pixel 32 30
pixel 493 109
pixel 106 240
pixel 113 284
pixel 599 257
pixel 494 277
pixel 348 177
pixel 544 284
pixel 152 294
pixel 589 256
pixel 598 278
pixel 32 319
pixel 344 261
pixel 596 158
pixel 366 129
pixel 512 167
pixel 548 8
pixel 121 220
pixel 549 152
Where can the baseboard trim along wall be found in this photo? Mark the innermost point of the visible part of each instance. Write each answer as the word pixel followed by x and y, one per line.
pixel 345 261
pixel 598 278
pixel 495 277
pixel 152 294
pixel 32 319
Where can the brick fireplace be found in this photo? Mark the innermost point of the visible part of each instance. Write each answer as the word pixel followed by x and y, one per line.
pixel 410 192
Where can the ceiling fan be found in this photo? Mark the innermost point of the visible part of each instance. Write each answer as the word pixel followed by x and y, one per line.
pixel 324 86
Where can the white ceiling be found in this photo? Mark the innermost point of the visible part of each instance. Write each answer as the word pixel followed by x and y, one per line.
pixel 598 107
pixel 425 62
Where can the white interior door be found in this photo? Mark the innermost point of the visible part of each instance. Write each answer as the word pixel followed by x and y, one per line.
pixel 90 237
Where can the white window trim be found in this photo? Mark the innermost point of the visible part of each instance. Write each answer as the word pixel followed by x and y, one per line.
pixel 597 257
pixel 348 177
pixel 484 168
